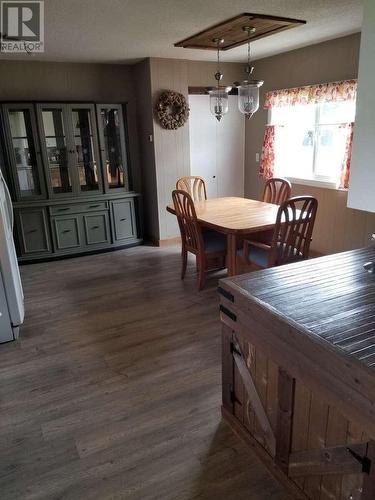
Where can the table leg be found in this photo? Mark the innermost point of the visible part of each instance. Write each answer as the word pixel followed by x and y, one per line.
pixel 231 253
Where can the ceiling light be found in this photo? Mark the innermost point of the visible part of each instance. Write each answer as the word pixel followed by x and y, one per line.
pixel 219 96
pixel 248 91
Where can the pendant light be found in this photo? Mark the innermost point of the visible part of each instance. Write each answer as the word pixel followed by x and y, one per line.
pixel 248 91
pixel 219 96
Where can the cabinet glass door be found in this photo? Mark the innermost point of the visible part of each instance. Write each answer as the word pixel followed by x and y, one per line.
pixel 112 138
pixel 86 157
pixel 56 150
pixel 26 167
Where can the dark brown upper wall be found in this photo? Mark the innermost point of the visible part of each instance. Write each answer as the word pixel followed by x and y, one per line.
pixel 325 62
pixel 44 81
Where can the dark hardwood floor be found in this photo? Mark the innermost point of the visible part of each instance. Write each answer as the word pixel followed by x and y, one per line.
pixel 113 390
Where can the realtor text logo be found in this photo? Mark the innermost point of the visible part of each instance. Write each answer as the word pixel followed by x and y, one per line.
pixel 22 26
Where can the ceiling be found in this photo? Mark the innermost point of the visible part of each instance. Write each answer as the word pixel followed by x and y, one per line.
pixel 124 31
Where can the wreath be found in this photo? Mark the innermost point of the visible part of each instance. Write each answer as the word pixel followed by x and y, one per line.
pixel 172 110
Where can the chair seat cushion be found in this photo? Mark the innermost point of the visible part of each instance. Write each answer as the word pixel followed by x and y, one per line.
pixel 214 241
pixel 260 256
pixel 257 255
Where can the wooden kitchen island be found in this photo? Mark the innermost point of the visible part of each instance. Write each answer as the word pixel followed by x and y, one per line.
pixel 299 372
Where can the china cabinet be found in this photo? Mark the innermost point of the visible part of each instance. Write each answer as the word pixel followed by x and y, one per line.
pixel 70 149
pixel 25 166
pixel 113 147
pixel 68 169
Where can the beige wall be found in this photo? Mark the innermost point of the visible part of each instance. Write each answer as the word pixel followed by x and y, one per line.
pixel 172 147
pixel 338 227
pixel 36 81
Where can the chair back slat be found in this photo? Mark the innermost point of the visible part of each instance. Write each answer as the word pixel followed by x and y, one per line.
pixel 194 185
pixel 277 190
pixel 191 234
pixel 293 230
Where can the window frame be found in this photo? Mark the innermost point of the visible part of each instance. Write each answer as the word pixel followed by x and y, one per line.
pixel 316 180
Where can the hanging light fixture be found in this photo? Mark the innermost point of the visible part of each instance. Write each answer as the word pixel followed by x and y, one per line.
pixel 248 92
pixel 219 96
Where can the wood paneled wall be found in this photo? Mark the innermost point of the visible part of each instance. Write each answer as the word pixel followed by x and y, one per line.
pixel 337 227
pixel 147 152
pixel 47 81
pixel 172 147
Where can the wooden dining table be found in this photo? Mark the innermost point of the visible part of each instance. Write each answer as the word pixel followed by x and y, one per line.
pixel 234 217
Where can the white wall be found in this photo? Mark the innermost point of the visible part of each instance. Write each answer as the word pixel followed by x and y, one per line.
pixel 362 178
pixel 217 149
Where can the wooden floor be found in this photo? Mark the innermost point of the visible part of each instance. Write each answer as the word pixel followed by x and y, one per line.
pixel 113 391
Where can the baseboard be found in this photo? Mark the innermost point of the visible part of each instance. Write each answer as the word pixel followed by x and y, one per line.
pixel 315 253
pixel 168 242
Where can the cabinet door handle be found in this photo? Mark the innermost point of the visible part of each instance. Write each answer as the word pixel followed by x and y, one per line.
pixel 122 220
pixel 63 209
pixel 32 231
pixel 94 206
pixel 95 227
pixel 66 231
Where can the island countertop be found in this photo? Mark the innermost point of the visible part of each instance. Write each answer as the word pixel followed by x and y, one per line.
pixel 315 321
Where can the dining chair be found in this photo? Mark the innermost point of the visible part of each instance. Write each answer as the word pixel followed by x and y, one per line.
pixel 291 237
pixel 277 190
pixel 194 185
pixel 208 246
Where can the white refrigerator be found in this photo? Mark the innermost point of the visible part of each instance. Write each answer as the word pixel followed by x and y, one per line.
pixel 11 294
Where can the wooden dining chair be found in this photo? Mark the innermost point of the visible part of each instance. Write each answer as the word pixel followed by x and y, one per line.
pixel 277 190
pixel 209 247
pixel 194 185
pixel 291 237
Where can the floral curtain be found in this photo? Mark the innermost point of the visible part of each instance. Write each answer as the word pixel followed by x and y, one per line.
pixel 268 153
pixel 347 128
pixel 345 90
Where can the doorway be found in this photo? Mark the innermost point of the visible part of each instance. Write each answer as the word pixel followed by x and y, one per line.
pixel 217 149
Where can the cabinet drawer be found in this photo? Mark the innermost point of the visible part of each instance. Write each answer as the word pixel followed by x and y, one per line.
pixel 123 219
pixel 96 228
pixel 33 231
pixel 67 232
pixel 76 208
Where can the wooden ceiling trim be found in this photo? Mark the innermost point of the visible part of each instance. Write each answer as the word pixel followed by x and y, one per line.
pixel 233 34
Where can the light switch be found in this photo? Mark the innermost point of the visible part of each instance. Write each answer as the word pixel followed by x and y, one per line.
pixel 257 157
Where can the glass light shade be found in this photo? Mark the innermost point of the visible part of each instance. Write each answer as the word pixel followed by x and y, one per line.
pixel 219 103
pixel 248 97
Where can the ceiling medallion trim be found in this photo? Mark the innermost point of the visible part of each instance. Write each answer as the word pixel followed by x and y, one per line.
pixel 234 35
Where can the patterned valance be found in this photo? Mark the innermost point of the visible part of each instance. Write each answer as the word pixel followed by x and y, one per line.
pixel 345 90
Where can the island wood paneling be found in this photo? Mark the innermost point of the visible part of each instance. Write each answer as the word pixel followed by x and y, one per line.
pixel 310 329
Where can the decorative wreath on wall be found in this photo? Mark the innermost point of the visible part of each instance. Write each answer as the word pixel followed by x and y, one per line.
pixel 172 110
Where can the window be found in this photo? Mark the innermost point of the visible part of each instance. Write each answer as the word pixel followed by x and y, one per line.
pixel 310 140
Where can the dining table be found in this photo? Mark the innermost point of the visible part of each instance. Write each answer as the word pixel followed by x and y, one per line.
pixel 235 217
